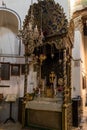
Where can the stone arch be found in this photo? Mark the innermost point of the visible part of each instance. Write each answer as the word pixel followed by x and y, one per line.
pixel 10 19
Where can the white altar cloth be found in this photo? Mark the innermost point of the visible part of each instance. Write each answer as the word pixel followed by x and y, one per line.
pixel 44 105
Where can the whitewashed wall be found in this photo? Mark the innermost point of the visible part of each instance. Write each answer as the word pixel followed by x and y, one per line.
pixel 79 66
pixel 76 68
pixel 9 39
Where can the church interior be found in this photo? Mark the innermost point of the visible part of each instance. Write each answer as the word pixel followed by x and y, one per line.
pixel 43 67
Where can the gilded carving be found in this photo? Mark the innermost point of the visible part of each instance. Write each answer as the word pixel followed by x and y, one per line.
pixel 78 23
pixel 49 17
pixel 71 31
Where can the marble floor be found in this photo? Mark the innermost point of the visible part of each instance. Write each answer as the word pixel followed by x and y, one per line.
pixel 17 126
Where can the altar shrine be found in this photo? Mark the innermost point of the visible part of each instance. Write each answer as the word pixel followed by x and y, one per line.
pixel 48 40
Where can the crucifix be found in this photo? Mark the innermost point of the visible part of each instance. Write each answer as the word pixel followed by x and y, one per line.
pixel 52 77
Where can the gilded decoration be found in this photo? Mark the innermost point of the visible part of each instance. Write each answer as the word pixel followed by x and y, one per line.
pixel 51 20
pixel 46 31
pixel 50 17
pixel 71 31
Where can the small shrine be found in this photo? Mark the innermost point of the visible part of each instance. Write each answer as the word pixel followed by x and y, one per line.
pixel 48 40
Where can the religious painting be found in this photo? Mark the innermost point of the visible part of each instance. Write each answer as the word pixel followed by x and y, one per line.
pixel 5 71
pixel 15 69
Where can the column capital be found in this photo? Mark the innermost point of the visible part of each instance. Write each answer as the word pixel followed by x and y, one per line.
pixel 78 23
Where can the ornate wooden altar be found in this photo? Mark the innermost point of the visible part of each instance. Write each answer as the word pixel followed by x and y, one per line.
pixel 52 51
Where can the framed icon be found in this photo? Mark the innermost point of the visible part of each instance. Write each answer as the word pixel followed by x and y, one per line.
pixel 15 69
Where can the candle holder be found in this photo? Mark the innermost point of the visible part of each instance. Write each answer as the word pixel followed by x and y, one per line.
pixel 42 58
pixel 52 77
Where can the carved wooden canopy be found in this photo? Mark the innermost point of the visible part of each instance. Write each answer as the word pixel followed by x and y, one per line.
pixel 50 18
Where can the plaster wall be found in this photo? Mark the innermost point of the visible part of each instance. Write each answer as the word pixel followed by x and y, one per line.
pixel 76 64
pixel 79 66
pixel 76 83
pixel 77 42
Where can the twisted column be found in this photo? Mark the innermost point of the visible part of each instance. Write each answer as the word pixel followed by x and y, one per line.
pixel 64 79
pixel 26 74
pixel 70 78
pixel 64 107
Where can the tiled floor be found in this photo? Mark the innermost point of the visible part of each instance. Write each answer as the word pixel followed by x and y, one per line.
pixel 18 126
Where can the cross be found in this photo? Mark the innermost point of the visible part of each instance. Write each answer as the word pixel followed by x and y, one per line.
pixel 52 77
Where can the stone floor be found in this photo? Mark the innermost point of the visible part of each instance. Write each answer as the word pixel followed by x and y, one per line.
pixel 10 126
pixel 83 124
pixel 17 126
pixel 13 126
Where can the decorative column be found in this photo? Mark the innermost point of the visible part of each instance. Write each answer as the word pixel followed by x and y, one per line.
pixel 70 78
pixel 64 108
pixel 26 74
pixel 78 23
pixel 69 108
pixel 64 78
